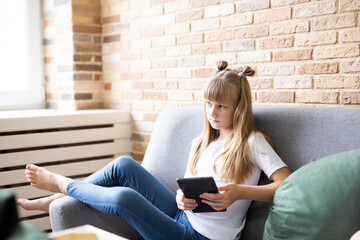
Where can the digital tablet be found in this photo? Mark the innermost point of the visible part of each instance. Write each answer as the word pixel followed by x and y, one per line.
pixel 194 187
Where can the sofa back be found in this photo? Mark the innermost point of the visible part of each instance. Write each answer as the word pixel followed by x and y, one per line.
pixel 301 135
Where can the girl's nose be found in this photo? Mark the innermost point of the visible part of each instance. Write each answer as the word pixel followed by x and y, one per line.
pixel 213 111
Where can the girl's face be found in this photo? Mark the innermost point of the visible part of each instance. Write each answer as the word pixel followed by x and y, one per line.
pixel 220 116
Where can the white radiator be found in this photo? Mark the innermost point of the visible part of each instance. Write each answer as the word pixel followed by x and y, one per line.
pixel 71 143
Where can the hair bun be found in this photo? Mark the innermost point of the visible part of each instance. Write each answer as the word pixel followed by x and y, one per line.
pixel 221 65
pixel 247 71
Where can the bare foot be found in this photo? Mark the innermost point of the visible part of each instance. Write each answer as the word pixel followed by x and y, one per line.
pixel 43 179
pixel 41 204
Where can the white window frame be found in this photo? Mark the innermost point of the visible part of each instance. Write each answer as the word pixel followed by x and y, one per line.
pixel 33 97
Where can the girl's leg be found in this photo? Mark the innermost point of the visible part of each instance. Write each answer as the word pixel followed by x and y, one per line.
pixel 123 171
pixel 126 172
pixel 41 204
pixel 140 210
pixel 147 219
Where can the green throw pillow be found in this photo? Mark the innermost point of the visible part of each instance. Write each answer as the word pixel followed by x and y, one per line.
pixel 10 226
pixel 320 200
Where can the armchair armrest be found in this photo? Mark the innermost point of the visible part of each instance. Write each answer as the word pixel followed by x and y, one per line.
pixel 67 212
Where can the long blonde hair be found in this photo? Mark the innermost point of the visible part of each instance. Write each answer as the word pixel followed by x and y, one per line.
pixel 237 165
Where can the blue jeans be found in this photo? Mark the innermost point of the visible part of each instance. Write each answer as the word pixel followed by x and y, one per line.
pixel 124 188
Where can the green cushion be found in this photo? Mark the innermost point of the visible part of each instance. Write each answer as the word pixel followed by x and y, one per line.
pixel 10 227
pixel 321 200
pixel 27 231
pixel 8 213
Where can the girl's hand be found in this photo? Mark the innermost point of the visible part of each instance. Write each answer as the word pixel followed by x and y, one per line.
pixel 184 203
pixel 219 201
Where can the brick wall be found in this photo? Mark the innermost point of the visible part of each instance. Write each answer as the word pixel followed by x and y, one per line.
pixel 157 54
pixel 72 51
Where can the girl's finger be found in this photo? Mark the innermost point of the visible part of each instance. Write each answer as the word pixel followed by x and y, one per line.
pixel 216 206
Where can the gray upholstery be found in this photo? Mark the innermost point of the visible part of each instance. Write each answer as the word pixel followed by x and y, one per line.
pixel 301 134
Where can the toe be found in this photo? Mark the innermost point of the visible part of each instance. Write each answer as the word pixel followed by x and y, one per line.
pixel 29 172
pixel 32 167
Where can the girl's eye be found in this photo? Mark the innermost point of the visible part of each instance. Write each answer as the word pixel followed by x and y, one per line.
pixel 221 106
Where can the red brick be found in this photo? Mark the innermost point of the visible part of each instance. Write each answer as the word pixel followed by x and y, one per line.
pixel 83 10
pixel 87 48
pixel 319 68
pixel 88 67
pixel 108 86
pixel 138 156
pixel 97 77
pixel 82 77
pixel 111 38
pixel 155 95
pixel 52 96
pixel 252 32
pixel 86 29
pixel 350 98
pixel 83 96
pixel 82 58
pixel 48 60
pixel 48 22
pixel 83 105
pixel 189 16
pixel 293 55
pixel 276 42
pixel 276 97
pixel 351 66
pixel 106 29
pixel 97 59
pixel 111 19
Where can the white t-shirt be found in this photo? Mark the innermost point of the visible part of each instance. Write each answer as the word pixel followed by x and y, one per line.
pixel 228 225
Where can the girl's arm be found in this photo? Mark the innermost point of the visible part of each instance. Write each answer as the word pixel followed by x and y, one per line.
pixel 231 192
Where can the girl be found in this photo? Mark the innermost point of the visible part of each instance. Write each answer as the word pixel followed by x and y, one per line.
pixel 230 149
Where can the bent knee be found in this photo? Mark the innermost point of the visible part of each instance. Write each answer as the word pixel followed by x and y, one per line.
pixel 124 163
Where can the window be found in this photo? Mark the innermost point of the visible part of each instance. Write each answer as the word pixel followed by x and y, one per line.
pixel 21 58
